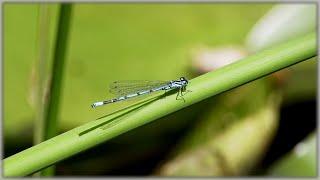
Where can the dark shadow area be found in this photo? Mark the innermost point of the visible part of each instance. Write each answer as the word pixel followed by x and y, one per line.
pixel 297 121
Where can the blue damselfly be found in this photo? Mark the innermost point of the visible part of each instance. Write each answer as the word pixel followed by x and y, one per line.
pixel 130 89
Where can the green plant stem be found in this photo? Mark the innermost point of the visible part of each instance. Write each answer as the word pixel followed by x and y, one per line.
pixel 202 87
pixel 43 58
pixel 48 128
pixel 52 110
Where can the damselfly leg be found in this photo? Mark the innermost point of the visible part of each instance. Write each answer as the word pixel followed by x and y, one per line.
pixel 184 89
pixel 180 94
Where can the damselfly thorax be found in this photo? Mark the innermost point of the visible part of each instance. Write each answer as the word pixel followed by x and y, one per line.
pixel 130 89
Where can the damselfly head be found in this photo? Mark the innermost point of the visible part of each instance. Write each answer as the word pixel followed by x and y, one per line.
pixel 184 80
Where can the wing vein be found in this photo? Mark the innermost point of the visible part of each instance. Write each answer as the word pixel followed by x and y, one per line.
pixel 127 87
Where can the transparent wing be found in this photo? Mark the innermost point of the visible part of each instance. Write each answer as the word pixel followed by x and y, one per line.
pixel 127 87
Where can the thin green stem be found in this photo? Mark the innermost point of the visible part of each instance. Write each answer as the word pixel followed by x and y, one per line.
pixel 202 87
pixel 59 58
pixel 48 128
pixel 43 58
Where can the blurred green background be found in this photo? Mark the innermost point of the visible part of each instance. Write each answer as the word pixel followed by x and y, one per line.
pixel 111 42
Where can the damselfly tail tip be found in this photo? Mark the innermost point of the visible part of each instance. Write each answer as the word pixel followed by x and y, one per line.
pixel 96 104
